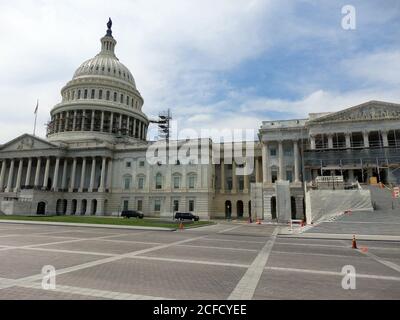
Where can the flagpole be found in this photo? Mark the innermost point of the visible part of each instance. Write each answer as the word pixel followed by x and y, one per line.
pixel 36 110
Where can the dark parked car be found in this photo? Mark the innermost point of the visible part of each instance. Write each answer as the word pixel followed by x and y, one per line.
pixel 132 214
pixel 186 216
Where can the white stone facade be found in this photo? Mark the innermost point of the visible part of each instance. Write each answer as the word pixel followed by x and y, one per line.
pixel 93 161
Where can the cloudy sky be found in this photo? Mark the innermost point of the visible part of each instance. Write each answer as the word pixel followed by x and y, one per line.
pixel 215 63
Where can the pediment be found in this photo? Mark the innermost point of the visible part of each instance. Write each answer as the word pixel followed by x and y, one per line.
pixel 27 142
pixel 369 111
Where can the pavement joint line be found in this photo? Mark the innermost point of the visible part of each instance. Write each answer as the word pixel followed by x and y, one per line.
pixel 246 287
pixel 317 254
pixel 205 262
pixel 363 222
pixel 340 236
pixel 333 273
pixel 311 244
pixel 229 229
pixel 218 248
pixel 56 242
pixel 92 292
pixel 93 253
pixel 233 240
pixel 389 264
pixel 95 263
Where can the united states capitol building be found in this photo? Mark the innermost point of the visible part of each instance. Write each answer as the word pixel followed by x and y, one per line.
pixel 93 160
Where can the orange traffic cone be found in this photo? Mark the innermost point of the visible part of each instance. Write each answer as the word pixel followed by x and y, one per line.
pixel 181 226
pixel 258 221
pixel 354 243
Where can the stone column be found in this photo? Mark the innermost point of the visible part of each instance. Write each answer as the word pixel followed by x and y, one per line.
pixel 74 122
pixel 102 121
pixel 92 121
pixel 366 139
pixel 330 141
pixel 111 121
pixel 2 173
pixel 127 125
pixel 385 138
pixel 246 183
pixel 296 161
pixel 92 174
pixel 134 127
pixel 312 142
pixel 280 150
pixel 83 120
pixel 10 176
pixel 265 162
pixel 46 173
pixel 351 175
pixel 82 182
pixel 222 176
pixel 103 174
pixel 19 175
pixel 234 177
pixel 73 173
pixel 37 173
pixel 120 122
pixel 28 173
pixel 109 175
pixel 55 176
pixel 257 169
pixel 64 175
pixel 348 141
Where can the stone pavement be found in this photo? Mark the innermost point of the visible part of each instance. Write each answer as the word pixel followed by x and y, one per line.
pixel 222 261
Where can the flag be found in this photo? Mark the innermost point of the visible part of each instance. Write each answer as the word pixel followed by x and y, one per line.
pixel 37 106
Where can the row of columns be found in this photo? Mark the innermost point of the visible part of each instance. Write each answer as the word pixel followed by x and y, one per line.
pixel 55 184
pixel 61 119
pixel 267 177
pixel 246 180
pixel 347 135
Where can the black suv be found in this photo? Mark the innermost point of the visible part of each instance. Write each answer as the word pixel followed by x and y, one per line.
pixel 186 216
pixel 132 214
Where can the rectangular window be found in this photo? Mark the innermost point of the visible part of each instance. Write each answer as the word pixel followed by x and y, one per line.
pixel 157 205
pixel 141 163
pixel 289 175
pixel 176 205
pixel 128 164
pixel 141 183
pixel 140 205
pixel 176 182
pixel 191 182
pixel 241 184
pixel 272 152
pixel 287 152
pixel 274 176
pixel 126 205
pixel 191 205
pixel 127 183
pixel 158 181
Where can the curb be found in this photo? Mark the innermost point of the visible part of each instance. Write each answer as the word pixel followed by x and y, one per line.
pixel 87 225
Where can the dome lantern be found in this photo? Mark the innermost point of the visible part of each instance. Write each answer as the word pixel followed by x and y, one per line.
pixel 108 42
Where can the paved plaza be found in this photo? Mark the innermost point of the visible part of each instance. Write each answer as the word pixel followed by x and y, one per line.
pixel 222 261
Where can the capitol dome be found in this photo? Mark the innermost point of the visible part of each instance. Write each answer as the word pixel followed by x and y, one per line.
pixel 100 102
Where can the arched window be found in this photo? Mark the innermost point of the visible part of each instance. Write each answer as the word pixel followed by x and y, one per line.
pixel 122 98
pixel 158 181
pixel 100 94
pixel 85 94
pixel 108 95
pixel 79 94
pixel 127 100
pixel 92 94
pixel 115 96
pixel 73 95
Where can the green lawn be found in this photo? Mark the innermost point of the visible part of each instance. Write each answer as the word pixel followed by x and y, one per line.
pixel 109 220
